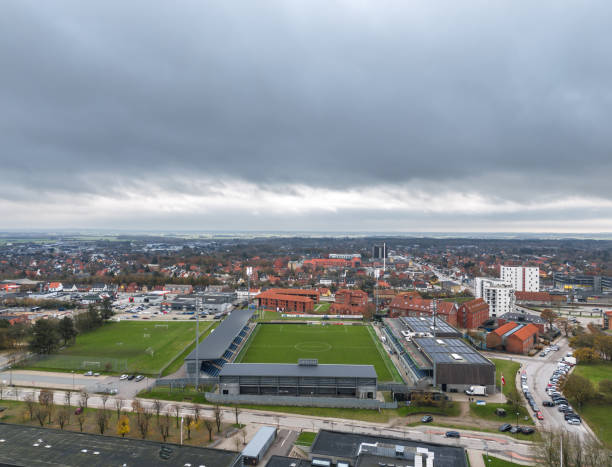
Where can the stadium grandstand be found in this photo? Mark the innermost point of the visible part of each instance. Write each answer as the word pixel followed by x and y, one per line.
pixel 221 346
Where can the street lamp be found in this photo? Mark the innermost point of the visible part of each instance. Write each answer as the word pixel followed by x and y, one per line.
pixel 10 367
pixel 72 379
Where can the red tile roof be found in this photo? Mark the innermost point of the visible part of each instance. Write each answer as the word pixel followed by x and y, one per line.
pixel 525 332
pixel 500 331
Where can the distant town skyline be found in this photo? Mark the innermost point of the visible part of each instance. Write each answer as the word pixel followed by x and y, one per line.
pixel 316 116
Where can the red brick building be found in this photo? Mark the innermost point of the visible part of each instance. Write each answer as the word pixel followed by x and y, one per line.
pixel 514 338
pixel 472 314
pixel 350 302
pixel 411 304
pixel 607 320
pixel 537 298
pixel 523 340
pixel 270 300
pixel 313 294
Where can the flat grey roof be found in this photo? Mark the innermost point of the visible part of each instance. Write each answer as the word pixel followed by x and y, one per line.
pixel 289 369
pixel 217 342
pixel 519 318
pixel 346 445
pixel 18 450
pixel 443 352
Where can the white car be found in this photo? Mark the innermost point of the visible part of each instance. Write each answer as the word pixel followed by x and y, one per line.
pixel 96 374
pixel 123 377
pixel 88 373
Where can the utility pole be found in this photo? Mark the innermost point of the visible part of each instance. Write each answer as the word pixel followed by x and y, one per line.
pixel 376 276
pixel 197 344
pixel 434 306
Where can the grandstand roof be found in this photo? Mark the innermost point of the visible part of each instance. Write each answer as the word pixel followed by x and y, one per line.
pixel 218 341
pixel 289 369
pixel 447 350
pixel 425 324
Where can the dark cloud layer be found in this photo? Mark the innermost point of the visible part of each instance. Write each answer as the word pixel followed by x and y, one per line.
pixel 510 100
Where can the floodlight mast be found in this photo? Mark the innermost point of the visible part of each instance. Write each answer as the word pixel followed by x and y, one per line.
pixel 197 305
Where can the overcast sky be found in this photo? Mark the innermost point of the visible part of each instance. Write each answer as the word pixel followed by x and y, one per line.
pixel 352 115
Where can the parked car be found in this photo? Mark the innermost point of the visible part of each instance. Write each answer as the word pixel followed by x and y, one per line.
pixel 539 416
pixel 131 377
pixel 427 419
pixel 139 378
pixel 88 373
pixel 505 427
pixel 515 429
pixel 123 377
pixel 548 404
pixel 452 434
pixel 527 430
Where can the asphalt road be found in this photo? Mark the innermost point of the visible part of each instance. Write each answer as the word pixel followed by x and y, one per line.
pixel 499 443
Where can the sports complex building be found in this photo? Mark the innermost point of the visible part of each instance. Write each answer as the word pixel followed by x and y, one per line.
pixel 439 358
pixel 221 345
pixel 307 378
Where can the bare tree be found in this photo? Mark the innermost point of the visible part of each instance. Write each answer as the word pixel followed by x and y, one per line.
pixel 102 420
pixel 81 419
pixel 144 421
pixel 177 411
pixel 587 451
pixel 1 390
pixel 164 426
pixel 188 424
pixel 237 443
pixel 209 425
pixel 243 433
pixel 218 417
pixel 157 406
pixel 41 414
pixel 46 399
pixel 84 397
pixel 236 413
pixel 63 417
pixel 196 413
pixel 104 398
pixel 118 407
pixel 137 409
pixel 68 397
pixel 30 404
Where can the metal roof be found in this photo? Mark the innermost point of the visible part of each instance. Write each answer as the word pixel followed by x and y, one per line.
pixel 425 324
pixel 443 353
pixel 289 369
pixel 217 342
pixel 35 446
pixel 259 441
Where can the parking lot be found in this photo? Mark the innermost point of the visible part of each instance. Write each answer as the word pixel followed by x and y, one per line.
pixel 536 373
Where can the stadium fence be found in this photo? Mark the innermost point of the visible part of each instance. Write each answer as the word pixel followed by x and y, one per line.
pixel 297 401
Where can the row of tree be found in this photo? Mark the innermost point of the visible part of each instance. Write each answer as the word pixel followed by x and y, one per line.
pixel 47 335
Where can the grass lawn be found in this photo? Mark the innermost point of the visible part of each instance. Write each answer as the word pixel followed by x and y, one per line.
pixel 487 412
pixel 286 343
pixel 452 409
pixel 163 393
pixel 306 438
pixel 507 368
pixel 178 362
pixel 598 416
pixel 143 347
pixel 322 307
pixel 497 462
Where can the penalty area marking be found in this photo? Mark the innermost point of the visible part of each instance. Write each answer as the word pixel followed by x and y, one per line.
pixel 313 346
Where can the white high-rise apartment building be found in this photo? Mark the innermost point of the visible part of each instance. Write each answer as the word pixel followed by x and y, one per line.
pixel 498 294
pixel 523 279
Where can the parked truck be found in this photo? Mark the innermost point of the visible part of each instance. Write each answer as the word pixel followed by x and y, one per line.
pixel 476 391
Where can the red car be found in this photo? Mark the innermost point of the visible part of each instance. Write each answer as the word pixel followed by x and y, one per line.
pixel 540 416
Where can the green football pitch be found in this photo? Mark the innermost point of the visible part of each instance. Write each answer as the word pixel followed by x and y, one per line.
pixel 286 343
pixel 126 346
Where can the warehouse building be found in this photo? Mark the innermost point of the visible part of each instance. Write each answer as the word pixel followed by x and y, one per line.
pixel 276 301
pixel 34 446
pixel 360 450
pixel 514 337
pixel 221 345
pixel 439 359
pixel 307 378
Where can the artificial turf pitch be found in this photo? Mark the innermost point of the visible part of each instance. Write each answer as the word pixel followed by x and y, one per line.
pixel 286 343
pixel 143 347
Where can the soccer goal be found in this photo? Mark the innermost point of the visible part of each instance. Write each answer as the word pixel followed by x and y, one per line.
pixel 150 351
pixel 165 326
pixel 145 335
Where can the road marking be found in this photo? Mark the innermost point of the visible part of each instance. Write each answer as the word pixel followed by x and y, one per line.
pixel 285 439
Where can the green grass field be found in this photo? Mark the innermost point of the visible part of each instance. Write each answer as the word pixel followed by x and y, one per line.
pixel 507 368
pixel 497 462
pixel 286 343
pixel 597 415
pixel 124 343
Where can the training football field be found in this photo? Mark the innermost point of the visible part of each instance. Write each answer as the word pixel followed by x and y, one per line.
pixel 286 343
pixel 126 346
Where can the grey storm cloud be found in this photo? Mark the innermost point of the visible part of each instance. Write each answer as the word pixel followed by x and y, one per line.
pixel 510 99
